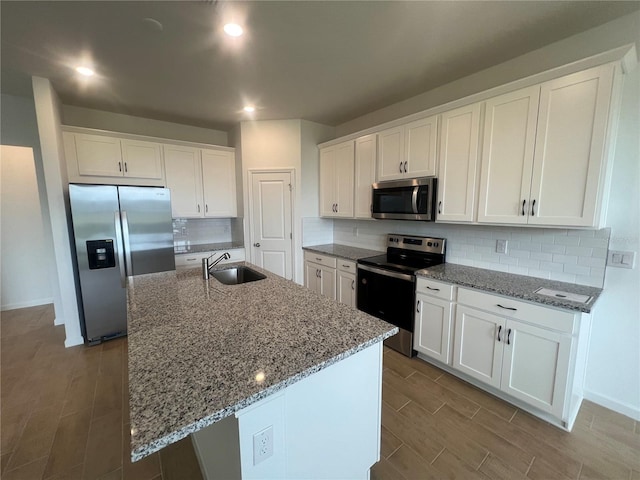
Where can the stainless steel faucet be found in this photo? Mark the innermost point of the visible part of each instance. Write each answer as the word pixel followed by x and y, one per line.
pixel 206 266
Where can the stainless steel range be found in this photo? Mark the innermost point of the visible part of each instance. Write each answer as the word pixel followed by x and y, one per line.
pixel 386 283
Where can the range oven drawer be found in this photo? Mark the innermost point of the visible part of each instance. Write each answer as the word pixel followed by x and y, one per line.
pixel 386 295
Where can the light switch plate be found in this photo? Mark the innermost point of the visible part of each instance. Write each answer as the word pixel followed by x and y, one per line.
pixel 621 259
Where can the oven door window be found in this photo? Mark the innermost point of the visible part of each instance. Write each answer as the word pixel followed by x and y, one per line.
pixel 388 298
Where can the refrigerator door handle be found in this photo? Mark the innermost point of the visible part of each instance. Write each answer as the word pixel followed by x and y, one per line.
pixel 127 243
pixel 120 249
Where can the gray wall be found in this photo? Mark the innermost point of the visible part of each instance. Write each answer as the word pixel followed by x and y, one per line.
pixel 117 122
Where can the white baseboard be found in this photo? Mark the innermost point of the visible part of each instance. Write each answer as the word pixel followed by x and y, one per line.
pixel 73 341
pixel 632 411
pixel 29 303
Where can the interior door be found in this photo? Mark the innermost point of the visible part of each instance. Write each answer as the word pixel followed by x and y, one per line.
pixel 271 224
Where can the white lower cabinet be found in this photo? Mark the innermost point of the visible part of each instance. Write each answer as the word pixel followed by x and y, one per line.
pixel 320 274
pixel 346 286
pixel 434 319
pixel 526 353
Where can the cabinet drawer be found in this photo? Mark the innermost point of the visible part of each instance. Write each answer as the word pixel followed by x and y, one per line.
pixel 562 321
pixel 434 288
pixel 326 260
pixel 346 266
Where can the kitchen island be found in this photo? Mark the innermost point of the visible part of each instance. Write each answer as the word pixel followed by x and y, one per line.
pixel 228 362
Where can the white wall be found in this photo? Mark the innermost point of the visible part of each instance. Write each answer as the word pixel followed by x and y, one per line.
pixel 117 122
pixel 23 252
pixel 273 144
pixel 613 370
pixel 48 115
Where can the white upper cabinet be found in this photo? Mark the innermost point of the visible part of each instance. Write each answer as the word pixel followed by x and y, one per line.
pixel 568 173
pixel 544 152
pixel 98 155
pixel 391 154
pixel 90 157
pixel 337 180
pixel 365 163
pixel 408 151
pixel 141 159
pixel 459 140
pixel 202 182
pixel 420 139
pixel 219 183
pixel 184 178
pixel 507 156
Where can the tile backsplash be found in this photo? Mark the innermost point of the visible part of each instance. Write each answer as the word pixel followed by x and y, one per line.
pixel 574 256
pixel 197 231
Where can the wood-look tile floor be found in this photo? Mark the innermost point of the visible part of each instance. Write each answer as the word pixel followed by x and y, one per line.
pixel 64 415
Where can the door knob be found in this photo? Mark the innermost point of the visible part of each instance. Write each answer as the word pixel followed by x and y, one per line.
pixel 257 244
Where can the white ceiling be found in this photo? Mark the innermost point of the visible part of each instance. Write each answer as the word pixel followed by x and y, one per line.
pixel 325 61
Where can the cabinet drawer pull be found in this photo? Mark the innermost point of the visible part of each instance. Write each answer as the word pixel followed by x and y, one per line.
pixel 319 259
pixel 533 206
pixel 346 266
pixel 198 208
pixel 405 167
pixel 523 204
pixel 440 206
pixel 125 167
pixel 418 306
pixel 499 330
pixel 206 208
pixel 191 259
pixel 353 284
pixel 337 209
pixel 400 167
pixel 509 337
pixel 507 308
pixel 119 166
pixel 434 289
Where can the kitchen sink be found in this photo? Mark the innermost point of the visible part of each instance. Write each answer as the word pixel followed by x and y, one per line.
pixel 237 275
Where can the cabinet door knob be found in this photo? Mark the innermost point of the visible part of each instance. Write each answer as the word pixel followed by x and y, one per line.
pixel 257 244
pixel 533 206
pixel 499 330
pixel 523 204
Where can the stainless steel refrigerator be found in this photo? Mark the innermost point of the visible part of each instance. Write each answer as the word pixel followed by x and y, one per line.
pixel 119 232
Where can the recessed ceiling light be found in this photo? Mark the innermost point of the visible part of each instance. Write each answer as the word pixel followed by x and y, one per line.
pixel 86 71
pixel 249 109
pixel 233 29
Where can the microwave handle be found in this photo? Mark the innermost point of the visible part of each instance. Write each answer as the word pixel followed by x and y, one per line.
pixel 414 200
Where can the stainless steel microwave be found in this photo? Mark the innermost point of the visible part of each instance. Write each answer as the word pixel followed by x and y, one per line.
pixel 412 199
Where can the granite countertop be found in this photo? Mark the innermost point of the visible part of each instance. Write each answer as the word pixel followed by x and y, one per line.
pixel 200 350
pixel 343 251
pixel 512 285
pixel 206 247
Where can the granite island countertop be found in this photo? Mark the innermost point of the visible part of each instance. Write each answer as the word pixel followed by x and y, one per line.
pixel 200 350
pixel 343 251
pixel 511 285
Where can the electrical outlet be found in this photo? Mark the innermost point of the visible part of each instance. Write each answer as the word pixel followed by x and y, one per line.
pixel 501 246
pixel 263 445
pixel 621 259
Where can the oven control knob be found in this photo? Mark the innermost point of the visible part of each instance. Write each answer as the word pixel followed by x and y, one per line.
pixel 435 244
pixel 429 244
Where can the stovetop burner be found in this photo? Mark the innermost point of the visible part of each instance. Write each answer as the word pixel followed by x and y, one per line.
pixel 408 254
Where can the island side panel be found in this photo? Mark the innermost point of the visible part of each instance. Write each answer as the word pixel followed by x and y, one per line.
pixel 325 426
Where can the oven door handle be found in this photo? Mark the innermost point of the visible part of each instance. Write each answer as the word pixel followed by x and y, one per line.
pixel 414 199
pixel 388 273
